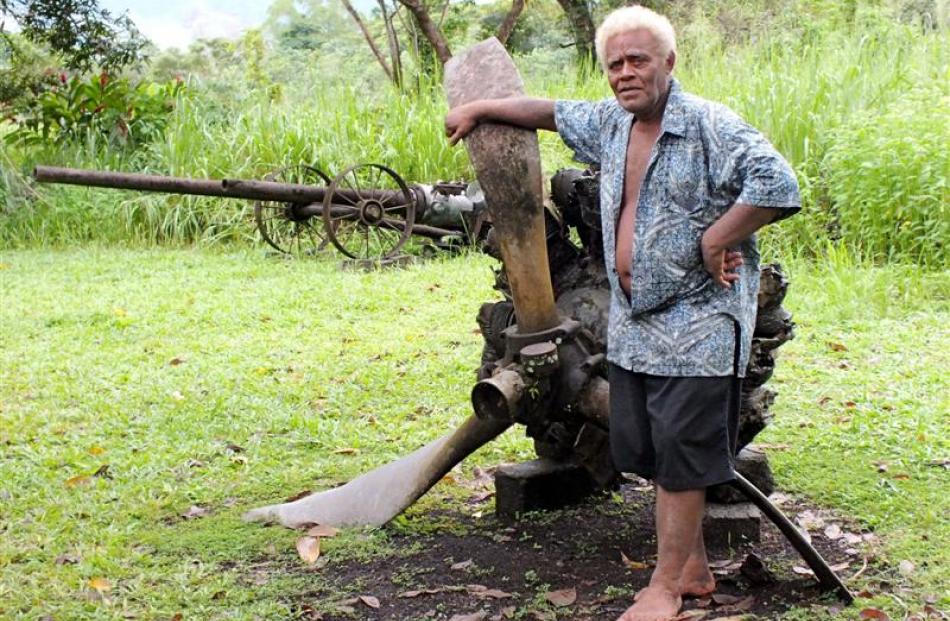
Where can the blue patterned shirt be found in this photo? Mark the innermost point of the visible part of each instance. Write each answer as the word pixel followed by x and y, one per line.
pixel 677 321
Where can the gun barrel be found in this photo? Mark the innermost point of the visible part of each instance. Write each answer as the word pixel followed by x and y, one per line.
pixel 232 188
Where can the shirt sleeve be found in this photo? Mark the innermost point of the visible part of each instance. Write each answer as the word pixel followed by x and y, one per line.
pixel 762 177
pixel 579 125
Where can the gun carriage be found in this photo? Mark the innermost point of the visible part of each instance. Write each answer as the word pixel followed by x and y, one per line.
pixel 366 212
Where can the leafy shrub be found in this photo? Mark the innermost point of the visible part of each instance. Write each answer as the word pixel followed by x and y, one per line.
pixel 124 113
pixel 886 175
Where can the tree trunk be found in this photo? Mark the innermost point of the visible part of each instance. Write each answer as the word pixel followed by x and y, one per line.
pixel 369 40
pixel 429 29
pixel 508 24
pixel 582 27
pixel 393 42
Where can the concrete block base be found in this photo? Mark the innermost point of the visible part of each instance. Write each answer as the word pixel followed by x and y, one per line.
pixel 542 484
pixel 728 526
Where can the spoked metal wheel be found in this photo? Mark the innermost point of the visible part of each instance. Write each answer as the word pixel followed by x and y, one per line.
pixel 368 212
pixel 288 227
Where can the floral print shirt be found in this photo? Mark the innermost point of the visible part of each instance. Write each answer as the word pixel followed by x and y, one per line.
pixel 677 321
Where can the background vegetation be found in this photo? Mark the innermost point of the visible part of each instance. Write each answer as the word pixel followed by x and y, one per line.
pixel 854 93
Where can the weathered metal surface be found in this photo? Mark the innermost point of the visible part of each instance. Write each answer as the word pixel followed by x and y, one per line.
pixel 376 226
pixel 364 221
pixel 228 188
pixel 378 496
pixel 507 162
pixel 826 577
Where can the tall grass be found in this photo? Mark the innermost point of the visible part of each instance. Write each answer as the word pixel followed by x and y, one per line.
pixel 817 89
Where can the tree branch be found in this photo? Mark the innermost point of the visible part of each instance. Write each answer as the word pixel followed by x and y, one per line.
pixel 508 24
pixel 369 39
pixel 432 32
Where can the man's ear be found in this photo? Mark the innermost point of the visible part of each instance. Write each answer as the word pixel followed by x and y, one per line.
pixel 671 61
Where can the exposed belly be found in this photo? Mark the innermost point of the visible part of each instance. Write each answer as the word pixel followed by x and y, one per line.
pixel 624 250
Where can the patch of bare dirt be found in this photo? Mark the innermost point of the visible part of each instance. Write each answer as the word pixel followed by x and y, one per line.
pixel 583 564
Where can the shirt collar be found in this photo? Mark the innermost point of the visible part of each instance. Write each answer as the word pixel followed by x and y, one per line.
pixel 674 116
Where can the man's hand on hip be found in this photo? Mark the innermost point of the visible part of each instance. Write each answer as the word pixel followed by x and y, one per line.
pixel 721 264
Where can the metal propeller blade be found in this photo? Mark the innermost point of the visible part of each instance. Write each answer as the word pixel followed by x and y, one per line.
pixel 508 163
pixel 826 577
pixel 380 495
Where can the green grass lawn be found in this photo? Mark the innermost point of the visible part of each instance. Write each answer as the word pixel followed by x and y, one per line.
pixel 230 379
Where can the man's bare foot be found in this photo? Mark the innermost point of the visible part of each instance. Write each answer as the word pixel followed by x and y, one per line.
pixel 654 603
pixel 697 580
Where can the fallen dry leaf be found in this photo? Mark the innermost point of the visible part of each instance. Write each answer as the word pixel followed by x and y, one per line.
pixel 309 549
pixel 724 599
pixel 690 615
pixel 474 616
pixel 75 481
pixel 906 568
pixel 755 571
pixel 837 346
pixel 195 512
pixel 833 531
pixel 874 613
pixel 746 604
pixel 346 451
pixel 96 450
pixel 100 584
pixel 299 495
pixel 417 593
pixel 564 597
pixel 481 497
pixel 462 565
pixel 177 360
pixel 492 594
pixel 802 571
pixel 631 564
pixel 321 530
pixel 370 601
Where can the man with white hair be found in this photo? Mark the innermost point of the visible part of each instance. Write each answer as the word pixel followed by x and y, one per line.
pixel 685 183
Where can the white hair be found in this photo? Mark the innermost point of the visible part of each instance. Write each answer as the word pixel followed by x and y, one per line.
pixel 633 18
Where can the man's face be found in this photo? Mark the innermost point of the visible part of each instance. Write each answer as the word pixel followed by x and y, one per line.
pixel 637 71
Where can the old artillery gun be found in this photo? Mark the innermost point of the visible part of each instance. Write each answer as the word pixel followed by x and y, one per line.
pixel 542 363
pixel 367 212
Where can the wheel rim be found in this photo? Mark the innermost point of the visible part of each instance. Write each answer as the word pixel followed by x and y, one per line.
pixel 368 212
pixel 280 225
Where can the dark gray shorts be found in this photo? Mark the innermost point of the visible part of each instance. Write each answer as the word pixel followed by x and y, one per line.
pixel 679 431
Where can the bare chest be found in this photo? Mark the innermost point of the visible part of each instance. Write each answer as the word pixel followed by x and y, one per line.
pixel 638 159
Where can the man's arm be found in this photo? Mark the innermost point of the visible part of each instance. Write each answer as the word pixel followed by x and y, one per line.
pixel 527 112
pixel 735 226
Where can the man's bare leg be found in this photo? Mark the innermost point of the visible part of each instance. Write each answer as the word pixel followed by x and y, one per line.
pixel 697 580
pixel 679 516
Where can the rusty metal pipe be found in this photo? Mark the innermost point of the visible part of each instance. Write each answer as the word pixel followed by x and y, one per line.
pixel 497 397
pixel 228 188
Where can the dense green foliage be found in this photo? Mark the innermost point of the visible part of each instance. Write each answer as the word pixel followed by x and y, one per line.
pixel 888 178
pixel 850 92
pixel 84 34
pixel 121 113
